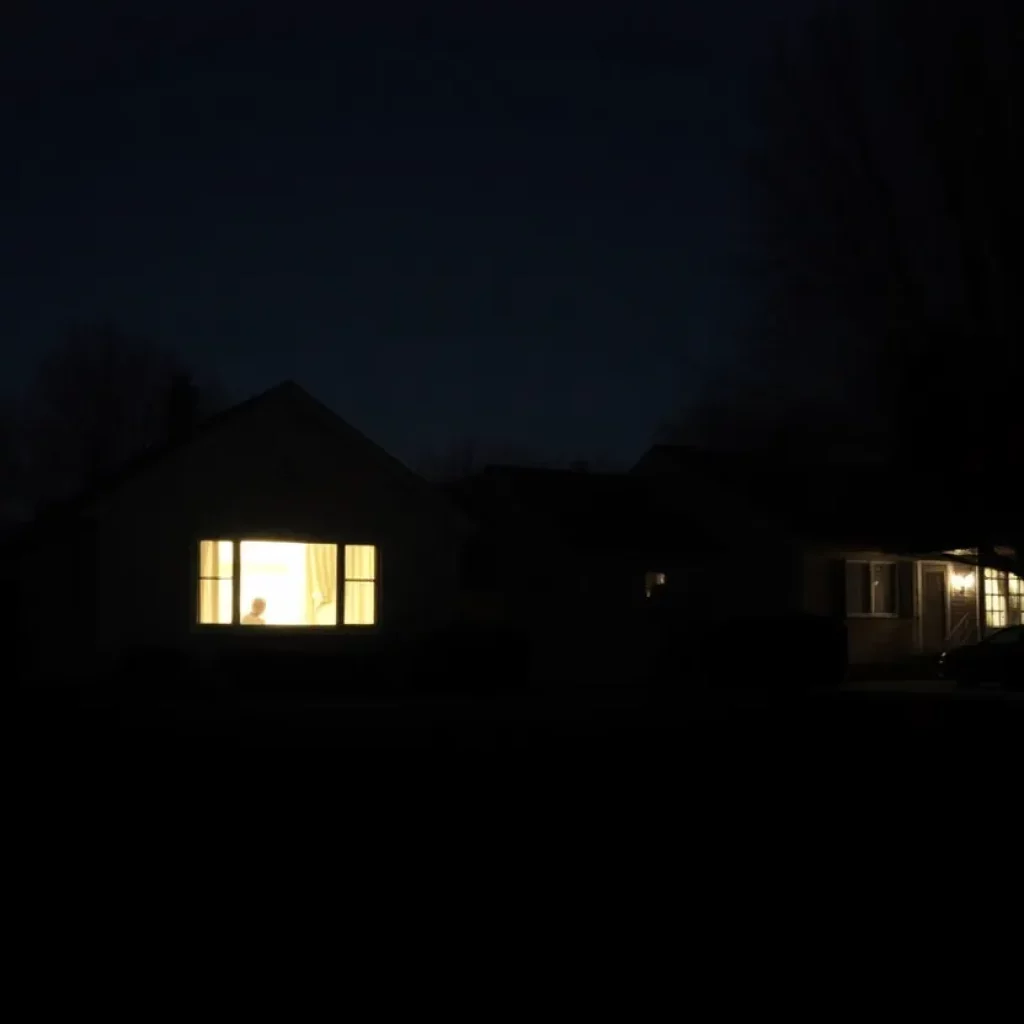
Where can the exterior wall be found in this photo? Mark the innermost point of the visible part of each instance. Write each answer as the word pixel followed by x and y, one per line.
pixel 274 474
pixel 872 640
pixel 963 608
pixel 54 612
pixel 878 639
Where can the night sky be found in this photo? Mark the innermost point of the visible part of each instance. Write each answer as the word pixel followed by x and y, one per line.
pixel 516 228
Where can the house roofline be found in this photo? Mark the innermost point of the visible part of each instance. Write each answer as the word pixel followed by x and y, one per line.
pixel 155 455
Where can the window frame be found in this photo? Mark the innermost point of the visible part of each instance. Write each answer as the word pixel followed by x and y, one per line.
pixel 236 625
pixel 871 563
pixel 654 579
pixel 201 579
pixel 345 580
pixel 1003 596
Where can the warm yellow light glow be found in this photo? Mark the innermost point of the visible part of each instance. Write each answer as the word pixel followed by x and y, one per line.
pixel 216 579
pixel 286 583
pixel 284 576
pixel 360 562
pixel 360 585
pixel 962 582
pixel 1004 596
pixel 652 580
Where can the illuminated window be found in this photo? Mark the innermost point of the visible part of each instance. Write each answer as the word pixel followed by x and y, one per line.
pixel 1004 594
pixel 360 584
pixel 216 581
pixel 652 580
pixel 871 588
pixel 286 583
pixel 1015 594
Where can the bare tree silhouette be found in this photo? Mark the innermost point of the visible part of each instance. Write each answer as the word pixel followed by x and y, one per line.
pixel 889 214
pixel 100 397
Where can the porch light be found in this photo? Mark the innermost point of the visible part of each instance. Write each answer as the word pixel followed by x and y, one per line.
pixel 962 582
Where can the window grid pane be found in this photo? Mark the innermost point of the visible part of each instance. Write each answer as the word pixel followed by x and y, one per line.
pixel 216 582
pixel 360 562
pixel 360 607
pixel 996 587
pixel 216 559
pixel 360 601
pixel 215 604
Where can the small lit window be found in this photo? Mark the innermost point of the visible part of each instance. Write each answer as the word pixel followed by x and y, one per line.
pixel 216 581
pixel 360 584
pixel 996 587
pixel 652 580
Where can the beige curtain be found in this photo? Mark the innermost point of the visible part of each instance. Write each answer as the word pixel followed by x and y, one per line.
pixel 322 580
pixel 360 584
pixel 216 571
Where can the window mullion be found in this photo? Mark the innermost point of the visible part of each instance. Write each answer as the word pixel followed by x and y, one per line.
pixel 236 582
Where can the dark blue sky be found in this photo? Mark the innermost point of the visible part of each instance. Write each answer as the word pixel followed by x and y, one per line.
pixel 509 227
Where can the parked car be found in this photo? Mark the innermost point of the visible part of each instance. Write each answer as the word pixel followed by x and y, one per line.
pixel 998 658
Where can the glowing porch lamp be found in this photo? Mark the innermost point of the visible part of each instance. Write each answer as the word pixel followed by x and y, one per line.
pixel 962 582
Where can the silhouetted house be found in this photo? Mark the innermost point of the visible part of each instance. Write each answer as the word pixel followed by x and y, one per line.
pixel 276 502
pixel 573 559
pixel 885 550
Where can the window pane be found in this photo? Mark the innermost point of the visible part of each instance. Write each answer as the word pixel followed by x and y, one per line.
pixel 286 583
pixel 360 562
pixel 858 597
pixel 883 587
pixel 216 559
pixel 215 602
pixel 652 580
pixel 997 584
pixel 360 603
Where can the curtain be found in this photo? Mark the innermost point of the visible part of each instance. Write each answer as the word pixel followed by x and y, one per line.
pixel 216 572
pixel 322 584
pixel 360 584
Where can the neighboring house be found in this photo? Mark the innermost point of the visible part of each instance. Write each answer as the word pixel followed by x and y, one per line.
pixel 882 550
pixel 570 557
pixel 275 509
pixel 558 559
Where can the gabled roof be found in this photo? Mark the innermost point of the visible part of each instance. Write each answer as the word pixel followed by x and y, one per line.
pixel 606 511
pixel 286 393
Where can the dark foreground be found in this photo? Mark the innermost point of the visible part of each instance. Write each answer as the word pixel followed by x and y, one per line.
pixel 733 728
pixel 610 795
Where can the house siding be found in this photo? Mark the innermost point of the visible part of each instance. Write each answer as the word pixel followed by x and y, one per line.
pixel 880 639
pixel 274 474
pixel 963 608
pixel 870 638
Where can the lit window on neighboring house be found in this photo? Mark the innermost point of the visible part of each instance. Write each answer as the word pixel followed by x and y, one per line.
pixel 996 594
pixel 653 580
pixel 1015 595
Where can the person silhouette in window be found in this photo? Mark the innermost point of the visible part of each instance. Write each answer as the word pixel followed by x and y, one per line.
pixel 254 617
